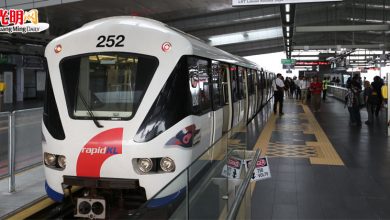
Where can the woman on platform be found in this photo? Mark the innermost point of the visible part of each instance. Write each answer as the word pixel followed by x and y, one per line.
pixel 315 90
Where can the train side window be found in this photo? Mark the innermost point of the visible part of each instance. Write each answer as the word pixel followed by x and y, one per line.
pixel 171 105
pixel 250 82
pixel 199 84
pixel 241 84
pixel 225 87
pixel 216 81
pixel 51 116
pixel 234 83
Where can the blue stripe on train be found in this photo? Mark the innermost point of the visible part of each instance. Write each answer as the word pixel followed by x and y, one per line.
pixel 58 197
pixel 157 202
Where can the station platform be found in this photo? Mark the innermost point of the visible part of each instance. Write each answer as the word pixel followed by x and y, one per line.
pixel 321 167
pixel 30 188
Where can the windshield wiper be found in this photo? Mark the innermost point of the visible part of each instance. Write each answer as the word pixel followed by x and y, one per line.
pixel 89 109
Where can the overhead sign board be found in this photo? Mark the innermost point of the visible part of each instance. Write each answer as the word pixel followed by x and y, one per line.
pixel 288 61
pixel 312 63
pixel 270 2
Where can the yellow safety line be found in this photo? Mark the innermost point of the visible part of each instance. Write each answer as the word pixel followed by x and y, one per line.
pixel 25 213
pixel 31 210
pixel 328 155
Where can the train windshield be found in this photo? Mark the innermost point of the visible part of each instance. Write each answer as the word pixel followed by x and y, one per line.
pixel 111 85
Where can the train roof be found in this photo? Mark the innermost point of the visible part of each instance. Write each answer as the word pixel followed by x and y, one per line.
pixel 198 47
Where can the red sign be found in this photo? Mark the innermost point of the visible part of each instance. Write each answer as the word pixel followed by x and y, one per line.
pixel 312 63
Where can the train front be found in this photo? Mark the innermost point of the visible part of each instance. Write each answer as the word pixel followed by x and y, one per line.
pixel 103 79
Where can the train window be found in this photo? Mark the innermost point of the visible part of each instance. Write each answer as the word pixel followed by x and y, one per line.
pixel 250 82
pixel 111 85
pixel 225 88
pixel 51 116
pixel 199 84
pixel 171 105
pixel 234 83
pixel 216 80
pixel 241 84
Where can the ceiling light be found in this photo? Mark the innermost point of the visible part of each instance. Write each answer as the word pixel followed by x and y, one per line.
pixel 287 8
pixel 288 34
pixel 287 17
pixel 288 28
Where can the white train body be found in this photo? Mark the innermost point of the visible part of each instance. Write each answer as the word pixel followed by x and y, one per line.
pixel 120 68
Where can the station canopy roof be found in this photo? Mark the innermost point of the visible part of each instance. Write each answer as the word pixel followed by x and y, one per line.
pixel 247 30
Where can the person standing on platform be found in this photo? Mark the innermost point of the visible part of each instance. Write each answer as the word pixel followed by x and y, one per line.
pixel 325 84
pixel 315 90
pixel 298 91
pixel 377 86
pixel 370 98
pixel 352 102
pixel 304 88
pixel 278 86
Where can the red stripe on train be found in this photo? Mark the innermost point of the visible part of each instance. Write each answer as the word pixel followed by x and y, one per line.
pixel 97 150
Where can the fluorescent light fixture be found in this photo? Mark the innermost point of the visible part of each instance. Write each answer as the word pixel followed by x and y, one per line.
pixel 238 37
pixel 287 28
pixel 288 34
pixel 287 8
pixel 287 17
pixel 288 48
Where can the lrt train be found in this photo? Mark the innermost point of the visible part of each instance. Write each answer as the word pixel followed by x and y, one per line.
pixel 130 102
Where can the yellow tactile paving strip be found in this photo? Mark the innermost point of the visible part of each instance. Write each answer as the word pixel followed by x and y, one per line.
pixel 319 152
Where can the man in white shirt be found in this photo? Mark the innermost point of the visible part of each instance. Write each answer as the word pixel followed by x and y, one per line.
pixel 278 86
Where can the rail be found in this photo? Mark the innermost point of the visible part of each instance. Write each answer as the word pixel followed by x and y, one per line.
pixel 23 128
pixel 243 187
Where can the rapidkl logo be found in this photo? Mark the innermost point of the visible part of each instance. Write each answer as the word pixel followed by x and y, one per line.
pixel 100 150
pixel 20 21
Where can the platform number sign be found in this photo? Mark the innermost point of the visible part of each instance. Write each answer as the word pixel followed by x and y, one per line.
pixel 110 41
pixel 232 169
pixel 261 171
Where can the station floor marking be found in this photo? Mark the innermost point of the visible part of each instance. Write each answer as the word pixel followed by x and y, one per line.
pixel 320 151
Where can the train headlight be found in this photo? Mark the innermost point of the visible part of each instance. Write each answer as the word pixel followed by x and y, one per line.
pixel 167 164
pixel 50 159
pixel 145 164
pixel 61 161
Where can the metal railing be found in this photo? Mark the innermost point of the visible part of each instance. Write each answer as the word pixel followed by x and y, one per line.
pixel 23 142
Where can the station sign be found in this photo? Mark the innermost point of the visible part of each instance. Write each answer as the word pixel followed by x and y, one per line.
pixel 288 61
pixel 273 2
pixel 312 63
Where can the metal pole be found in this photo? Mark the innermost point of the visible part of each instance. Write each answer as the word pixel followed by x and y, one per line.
pixel 11 152
pixel 243 187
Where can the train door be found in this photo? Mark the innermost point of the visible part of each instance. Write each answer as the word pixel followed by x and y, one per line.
pixel 242 94
pixel 217 100
pixel 235 95
pixel 198 70
pixel 227 97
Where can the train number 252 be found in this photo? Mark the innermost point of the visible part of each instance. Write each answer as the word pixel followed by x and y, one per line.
pixel 110 41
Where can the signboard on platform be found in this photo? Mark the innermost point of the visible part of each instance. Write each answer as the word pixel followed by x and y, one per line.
pixel 261 171
pixel 270 2
pixel 232 169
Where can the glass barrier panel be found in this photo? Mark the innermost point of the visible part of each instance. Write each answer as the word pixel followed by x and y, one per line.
pixel 208 188
pixel 245 209
pixel 4 143
pixel 28 137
